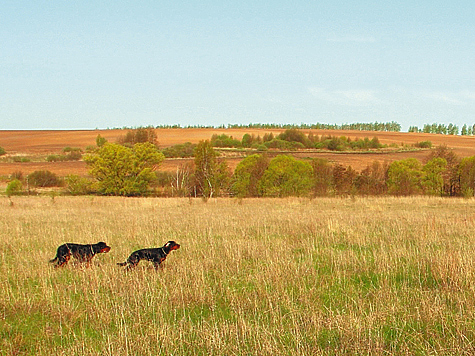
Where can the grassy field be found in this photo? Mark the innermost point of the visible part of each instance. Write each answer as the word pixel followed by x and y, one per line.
pixel 367 276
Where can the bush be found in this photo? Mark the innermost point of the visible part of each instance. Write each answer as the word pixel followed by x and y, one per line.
pixel 76 185
pixel 247 175
pixel 43 179
pixel 14 187
pixel 294 135
pixel 404 177
pixel 279 144
pixel 2 151
pixel 138 135
pixel 17 175
pixel 71 154
pixel 423 144
pixel 124 171
pixel 19 159
pixel 286 176
pixel 53 158
pixel 179 151
pixel 225 141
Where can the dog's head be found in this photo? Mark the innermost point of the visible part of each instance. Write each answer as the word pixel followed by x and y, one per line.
pixel 102 247
pixel 171 245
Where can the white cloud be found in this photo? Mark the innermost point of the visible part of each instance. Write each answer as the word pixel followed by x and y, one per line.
pixel 345 97
pixel 468 94
pixel 455 98
pixel 443 97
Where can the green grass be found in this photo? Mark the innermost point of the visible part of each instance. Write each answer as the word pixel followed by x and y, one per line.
pixel 330 276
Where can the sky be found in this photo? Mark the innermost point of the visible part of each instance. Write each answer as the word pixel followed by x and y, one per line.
pixel 112 64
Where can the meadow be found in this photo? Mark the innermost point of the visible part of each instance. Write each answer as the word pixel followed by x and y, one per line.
pixel 329 276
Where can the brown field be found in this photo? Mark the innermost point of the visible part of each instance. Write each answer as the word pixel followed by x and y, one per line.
pixel 37 144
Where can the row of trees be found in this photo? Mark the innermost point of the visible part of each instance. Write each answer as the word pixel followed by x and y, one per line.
pixel 368 126
pixel 451 129
pixel 365 126
pixel 119 170
pixel 293 139
pixel 443 174
pixel 132 171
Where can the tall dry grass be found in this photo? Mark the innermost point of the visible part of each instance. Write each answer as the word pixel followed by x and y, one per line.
pixel 368 276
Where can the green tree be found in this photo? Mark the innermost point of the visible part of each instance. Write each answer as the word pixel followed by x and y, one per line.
pixel 286 176
pixel 205 169
pixel 76 185
pixel 223 178
pixel 14 187
pixel 120 170
pixel 466 174
pixel 404 177
pixel 450 174
pixel 247 175
pixel 432 180
pixel 100 141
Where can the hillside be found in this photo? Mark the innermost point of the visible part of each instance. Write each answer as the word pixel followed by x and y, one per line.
pixel 36 145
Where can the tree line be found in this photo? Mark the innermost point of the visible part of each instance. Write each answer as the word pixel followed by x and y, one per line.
pixel 450 129
pixel 120 170
pixel 130 168
pixel 441 174
pixel 363 126
pixel 435 128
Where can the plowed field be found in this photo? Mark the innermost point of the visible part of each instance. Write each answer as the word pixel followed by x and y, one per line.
pixel 36 145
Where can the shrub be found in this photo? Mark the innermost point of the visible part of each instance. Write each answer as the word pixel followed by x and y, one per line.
pixel 138 135
pixel 17 175
pixel 2 151
pixel 71 155
pixel 14 187
pixel 286 176
pixel 20 159
pixel 43 179
pixel 404 177
pixel 466 174
pixel 247 175
pixel 433 180
pixel 277 143
pixel 179 151
pixel 322 176
pixel 224 141
pixel 100 141
pixel 124 171
pixel 423 144
pixel 76 185
pixel 294 135
pixel 53 158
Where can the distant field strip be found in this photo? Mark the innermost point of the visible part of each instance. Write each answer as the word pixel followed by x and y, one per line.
pixel 331 276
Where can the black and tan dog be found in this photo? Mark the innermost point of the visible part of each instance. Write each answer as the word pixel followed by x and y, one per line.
pixel 83 253
pixel 155 255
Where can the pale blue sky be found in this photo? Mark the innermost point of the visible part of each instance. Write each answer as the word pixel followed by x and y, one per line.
pixel 103 64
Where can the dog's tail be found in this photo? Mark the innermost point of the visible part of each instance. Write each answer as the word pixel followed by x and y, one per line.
pixel 122 263
pixel 53 260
